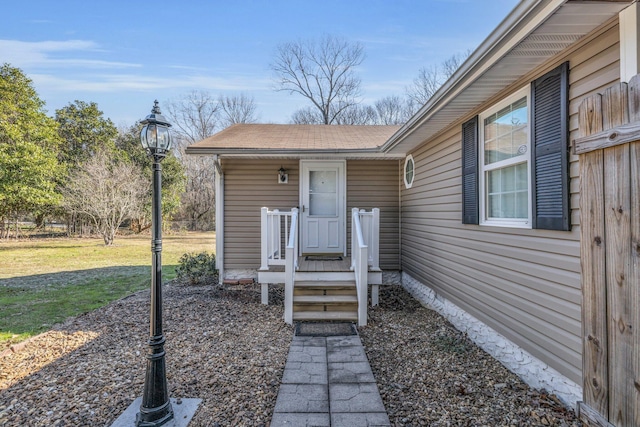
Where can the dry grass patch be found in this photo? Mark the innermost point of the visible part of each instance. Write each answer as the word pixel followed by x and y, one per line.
pixel 45 281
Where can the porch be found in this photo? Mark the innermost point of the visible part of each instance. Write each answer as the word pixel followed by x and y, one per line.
pixel 321 286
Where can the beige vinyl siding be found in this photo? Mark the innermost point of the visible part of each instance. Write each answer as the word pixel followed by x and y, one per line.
pixel 374 184
pixel 251 184
pixel 523 283
pixel 248 186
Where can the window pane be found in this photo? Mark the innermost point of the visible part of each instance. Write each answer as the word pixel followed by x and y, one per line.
pixel 494 181
pixel 505 133
pixel 408 173
pixel 508 205
pixel 507 192
pixel 505 147
pixel 323 192
pixel 522 204
pixel 522 177
pixel 490 151
pixel 322 204
pixel 322 181
pixel 508 179
pixel 494 206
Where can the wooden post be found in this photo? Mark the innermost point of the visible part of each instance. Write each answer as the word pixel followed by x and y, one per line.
pixel 634 273
pixel 617 225
pixel 592 249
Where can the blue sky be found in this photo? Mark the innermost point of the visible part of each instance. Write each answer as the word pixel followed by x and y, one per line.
pixel 124 54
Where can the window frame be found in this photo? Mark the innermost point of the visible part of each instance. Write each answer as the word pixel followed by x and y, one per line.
pixel 408 159
pixel 524 92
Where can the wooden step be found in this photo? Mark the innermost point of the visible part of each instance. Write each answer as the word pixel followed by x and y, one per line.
pixel 325 291
pixel 325 315
pixel 324 299
pixel 324 284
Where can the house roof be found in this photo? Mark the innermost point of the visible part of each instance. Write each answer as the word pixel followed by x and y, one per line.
pixel 283 139
pixel 534 32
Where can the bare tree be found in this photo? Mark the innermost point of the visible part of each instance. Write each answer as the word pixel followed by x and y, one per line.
pixel 306 116
pixel 451 65
pixel 323 72
pixel 107 191
pixel 237 109
pixel 392 110
pixel 431 78
pixel 358 115
pixel 194 116
pixel 425 85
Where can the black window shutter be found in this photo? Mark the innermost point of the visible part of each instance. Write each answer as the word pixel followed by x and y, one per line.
pixel 549 158
pixel 470 171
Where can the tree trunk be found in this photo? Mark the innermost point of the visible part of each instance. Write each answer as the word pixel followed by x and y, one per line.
pixel 17 225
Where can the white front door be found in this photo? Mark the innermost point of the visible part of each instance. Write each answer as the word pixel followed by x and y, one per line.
pixel 323 194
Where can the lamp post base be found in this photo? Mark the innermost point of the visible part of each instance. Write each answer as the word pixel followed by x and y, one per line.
pixel 183 412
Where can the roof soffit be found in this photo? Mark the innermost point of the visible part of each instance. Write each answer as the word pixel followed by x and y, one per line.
pixel 533 40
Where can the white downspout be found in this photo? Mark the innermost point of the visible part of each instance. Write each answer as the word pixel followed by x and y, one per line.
pixel 219 202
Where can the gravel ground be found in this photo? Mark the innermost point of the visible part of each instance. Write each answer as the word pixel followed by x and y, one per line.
pixel 430 374
pixel 222 346
pixel 226 348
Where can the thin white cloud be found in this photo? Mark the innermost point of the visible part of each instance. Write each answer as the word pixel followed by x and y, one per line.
pixel 142 83
pixel 43 54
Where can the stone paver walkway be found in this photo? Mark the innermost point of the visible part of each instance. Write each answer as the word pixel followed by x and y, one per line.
pixel 327 381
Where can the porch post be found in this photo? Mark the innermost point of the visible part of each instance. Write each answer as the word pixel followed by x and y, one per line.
pixel 374 246
pixel 264 239
pixel 219 206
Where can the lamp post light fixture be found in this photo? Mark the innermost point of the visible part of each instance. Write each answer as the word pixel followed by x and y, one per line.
pixel 156 409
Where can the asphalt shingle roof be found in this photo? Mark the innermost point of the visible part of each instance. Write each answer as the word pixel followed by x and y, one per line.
pixel 262 137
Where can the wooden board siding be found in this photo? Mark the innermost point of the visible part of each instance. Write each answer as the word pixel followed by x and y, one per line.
pixel 523 283
pixel 248 186
pixel 251 184
pixel 374 184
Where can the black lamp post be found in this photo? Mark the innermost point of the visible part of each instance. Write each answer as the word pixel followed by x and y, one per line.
pixel 156 409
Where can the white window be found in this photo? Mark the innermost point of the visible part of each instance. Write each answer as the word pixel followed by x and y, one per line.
pixel 505 154
pixel 409 171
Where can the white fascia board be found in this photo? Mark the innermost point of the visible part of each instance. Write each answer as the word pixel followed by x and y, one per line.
pixel 504 38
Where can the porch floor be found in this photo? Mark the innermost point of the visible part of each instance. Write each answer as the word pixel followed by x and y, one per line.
pixel 304 265
pixel 315 266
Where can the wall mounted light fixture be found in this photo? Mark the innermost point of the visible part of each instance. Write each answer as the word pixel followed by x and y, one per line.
pixel 283 176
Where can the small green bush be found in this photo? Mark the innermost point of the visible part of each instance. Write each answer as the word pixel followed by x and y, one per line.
pixel 197 269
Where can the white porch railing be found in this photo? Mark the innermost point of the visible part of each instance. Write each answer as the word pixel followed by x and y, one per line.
pixel 273 242
pixel 370 222
pixel 290 266
pixel 359 259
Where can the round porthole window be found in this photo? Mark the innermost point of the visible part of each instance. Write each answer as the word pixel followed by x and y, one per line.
pixel 409 171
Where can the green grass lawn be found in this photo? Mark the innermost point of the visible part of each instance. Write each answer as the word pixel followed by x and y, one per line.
pixel 42 282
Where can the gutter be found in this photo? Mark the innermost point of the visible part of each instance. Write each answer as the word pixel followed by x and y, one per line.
pixel 488 52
